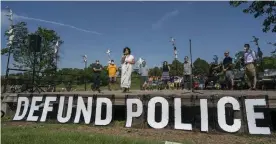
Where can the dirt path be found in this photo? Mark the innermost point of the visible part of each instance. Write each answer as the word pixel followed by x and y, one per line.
pixel 160 135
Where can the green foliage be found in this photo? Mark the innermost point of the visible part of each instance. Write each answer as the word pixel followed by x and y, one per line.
pixel 237 60
pixel 269 63
pixel 200 66
pixel 155 71
pixel 23 55
pixel 4 51
pixel 261 8
pixel 20 32
pixel 177 68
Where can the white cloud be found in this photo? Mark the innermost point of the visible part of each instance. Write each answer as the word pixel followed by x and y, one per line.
pixel 164 18
pixel 5 22
pixel 4 19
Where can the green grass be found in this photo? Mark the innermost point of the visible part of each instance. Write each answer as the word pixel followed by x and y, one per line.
pixel 135 85
pixel 50 134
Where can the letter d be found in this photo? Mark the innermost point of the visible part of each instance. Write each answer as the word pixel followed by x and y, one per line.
pixel 20 100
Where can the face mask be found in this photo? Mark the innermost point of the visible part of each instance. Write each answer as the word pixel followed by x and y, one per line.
pixel 112 62
pixel 97 62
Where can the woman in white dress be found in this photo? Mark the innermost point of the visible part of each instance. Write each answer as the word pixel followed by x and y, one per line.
pixel 127 62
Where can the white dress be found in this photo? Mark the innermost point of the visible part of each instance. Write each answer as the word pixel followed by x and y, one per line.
pixel 126 72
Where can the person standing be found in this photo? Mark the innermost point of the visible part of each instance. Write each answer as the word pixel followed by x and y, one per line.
pixel 227 69
pixel 187 72
pixel 144 74
pixel 166 73
pixel 127 62
pixel 250 70
pixel 112 70
pixel 97 69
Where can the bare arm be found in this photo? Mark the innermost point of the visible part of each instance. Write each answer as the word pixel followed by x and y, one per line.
pixel 123 59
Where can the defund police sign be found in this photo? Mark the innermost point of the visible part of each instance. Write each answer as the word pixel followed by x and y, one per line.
pixel 70 108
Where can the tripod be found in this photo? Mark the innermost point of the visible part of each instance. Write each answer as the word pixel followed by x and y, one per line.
pixel 34 45
pixel 35 86
pixel 191 77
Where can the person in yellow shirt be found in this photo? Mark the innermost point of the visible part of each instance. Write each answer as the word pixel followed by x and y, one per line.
pixel 112 69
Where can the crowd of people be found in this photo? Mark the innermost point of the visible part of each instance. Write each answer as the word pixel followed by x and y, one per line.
pixel 127 64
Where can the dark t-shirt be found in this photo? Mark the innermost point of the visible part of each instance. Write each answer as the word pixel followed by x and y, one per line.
pixel 97 66
pixel 226 62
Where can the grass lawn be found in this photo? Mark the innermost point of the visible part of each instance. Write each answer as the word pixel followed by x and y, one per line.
pixel 135 85
pixel 53 133
pixel 61 134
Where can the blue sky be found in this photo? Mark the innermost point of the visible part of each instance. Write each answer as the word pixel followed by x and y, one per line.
pixel 146 27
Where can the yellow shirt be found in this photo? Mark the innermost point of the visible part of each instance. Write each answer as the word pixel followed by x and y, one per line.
pixel 112 69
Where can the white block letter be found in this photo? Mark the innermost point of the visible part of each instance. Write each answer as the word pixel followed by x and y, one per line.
pixel 47 107
pixel 61 107
pixel 82 109
pixel 151 112
pixel 130 113
pixel 221 114
pixel 252 116
pixel 20 100
pixel 204 114
pixel 107 120
pixel 33 108
pixel 177 116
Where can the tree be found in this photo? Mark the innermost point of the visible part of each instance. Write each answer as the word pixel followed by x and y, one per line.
pixel 20 32
pixel 261 8
pixel 238 60
pixel 47 52
pixel 156 71
pixel 23 55
pixel 177 68
pixel 269 63
pixel 200 66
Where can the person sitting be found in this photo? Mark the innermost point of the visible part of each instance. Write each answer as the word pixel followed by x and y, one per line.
pixel 213 74
pixel 145 85
pixel 149 83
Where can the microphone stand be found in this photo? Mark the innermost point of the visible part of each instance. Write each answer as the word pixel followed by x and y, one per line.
pixel 191 77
